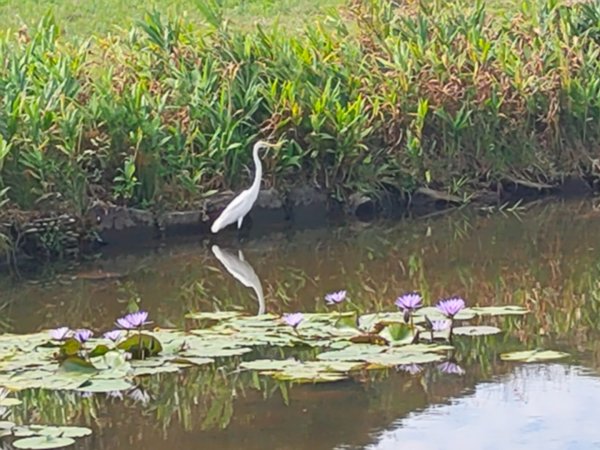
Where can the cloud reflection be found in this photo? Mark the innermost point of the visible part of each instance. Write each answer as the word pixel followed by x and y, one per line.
pixel 549 407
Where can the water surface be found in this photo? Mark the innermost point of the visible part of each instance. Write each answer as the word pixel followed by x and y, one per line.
pixel 547 258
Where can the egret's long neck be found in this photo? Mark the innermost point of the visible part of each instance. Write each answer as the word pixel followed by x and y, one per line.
pixel 258 169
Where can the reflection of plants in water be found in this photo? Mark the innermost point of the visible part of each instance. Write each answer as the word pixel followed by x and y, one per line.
pixel 5 323
pixel 59 408
pixel 202 396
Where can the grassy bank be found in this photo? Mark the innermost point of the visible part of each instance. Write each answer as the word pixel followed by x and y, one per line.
pixel 84 19
pixel 385 96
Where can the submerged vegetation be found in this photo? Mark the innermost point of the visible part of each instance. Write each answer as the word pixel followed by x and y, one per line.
pixel 381 97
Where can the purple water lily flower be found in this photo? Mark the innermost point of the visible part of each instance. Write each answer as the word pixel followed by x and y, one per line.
pixel 83 335
pixel 410 301
pixel 335 297
pixel 451 368
pixel 293 319
pixel 413 369
pixel 113 335
pixel 451 306
pixel 133 320
pixel 60 334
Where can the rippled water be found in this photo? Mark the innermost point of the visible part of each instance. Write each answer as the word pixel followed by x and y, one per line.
pixel 547 257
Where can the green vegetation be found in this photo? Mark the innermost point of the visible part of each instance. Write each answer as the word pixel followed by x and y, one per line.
pixel 83 19
pixel 100 365
pixel 386 97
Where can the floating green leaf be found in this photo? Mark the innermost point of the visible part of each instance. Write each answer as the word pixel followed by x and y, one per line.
pixel 434 314
pixel 99 350
pixel 356 352
pixel 395 358
pixel 43 442
pixel 534 356
pixel 369 338
pixel 48 430
pixel 6 425
pixel 77 364
pixel 195 360
pixel 507 310
pixel 141 346
pixel 479 330
pixel 9 401
pixel 302 371
pixel 218 316
pixel 398 333
pixel 70 347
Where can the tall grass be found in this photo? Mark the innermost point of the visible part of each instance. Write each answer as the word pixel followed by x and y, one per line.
pixel 391 96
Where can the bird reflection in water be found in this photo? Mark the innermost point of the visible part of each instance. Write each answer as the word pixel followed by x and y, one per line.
pixel 241 271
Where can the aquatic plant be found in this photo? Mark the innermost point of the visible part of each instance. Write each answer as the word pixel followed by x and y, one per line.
pixel 335 298
pixel 60 334
pixel 451 307
pixel 133 321
pixel 113 335
pixel 293 319
pixel 83 335
pixel 409 303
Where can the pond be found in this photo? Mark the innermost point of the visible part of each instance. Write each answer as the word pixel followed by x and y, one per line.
pixel 545 257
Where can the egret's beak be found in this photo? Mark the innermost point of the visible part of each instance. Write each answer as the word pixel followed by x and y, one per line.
pixel 277 145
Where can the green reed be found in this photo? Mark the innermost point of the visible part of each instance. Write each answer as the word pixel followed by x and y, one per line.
pixel 384 97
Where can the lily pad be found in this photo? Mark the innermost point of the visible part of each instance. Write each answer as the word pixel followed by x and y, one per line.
pixel 43 442
pixel 195 361
pixel 302 371
pixel 398 333
pixel 479 330
pixel 357 352
pixel 534 356
pixel 506 310
pixel 369 322
pixel 6 425
pixel 48 430
pixel 141 346
pixel 434 314
pixel 214 352
pixel 9 401
pixel 219 315
pixel 395 358
pixel 99 350
pixel 140 371
pixel 77 364
pixel 70 348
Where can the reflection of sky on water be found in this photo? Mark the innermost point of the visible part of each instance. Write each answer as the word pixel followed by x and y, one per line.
pixel 536 407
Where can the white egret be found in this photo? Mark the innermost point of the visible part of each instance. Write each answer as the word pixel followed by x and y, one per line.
pixel 241 271
pixel 242 204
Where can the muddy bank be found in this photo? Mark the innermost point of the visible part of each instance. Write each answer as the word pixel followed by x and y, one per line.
pixel 116 229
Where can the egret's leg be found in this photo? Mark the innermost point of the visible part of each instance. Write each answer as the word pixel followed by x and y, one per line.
pixel 239 233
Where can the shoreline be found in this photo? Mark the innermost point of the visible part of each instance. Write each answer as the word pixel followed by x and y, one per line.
pixel 118 229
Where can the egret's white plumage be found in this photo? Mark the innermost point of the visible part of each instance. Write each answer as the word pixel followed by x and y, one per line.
pixel 242 204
